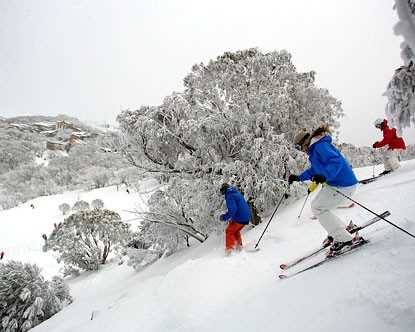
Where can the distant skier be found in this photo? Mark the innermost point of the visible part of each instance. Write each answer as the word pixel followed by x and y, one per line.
pixel 32 206
pixel 128 192
pixel 330 168
pixel 1 255
pixel 238 216
pixel 45 246
pixel 393 141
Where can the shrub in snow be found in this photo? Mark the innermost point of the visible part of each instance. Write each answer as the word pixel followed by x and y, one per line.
pixel 80 206
pixel 60 288
pixel 86 238
pixel 26 299
pixel 139 253
pixel 64 208
pixel 70 271
pixel 138 259
pixel 97 204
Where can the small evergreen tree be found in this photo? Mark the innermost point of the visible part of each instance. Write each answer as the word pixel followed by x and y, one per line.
pixel 97 204
pixel 64 208
pixel 85 239
pixel 80 206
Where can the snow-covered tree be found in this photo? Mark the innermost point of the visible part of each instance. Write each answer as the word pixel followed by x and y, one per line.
pixel 22 177
pixel 175 216
pixel 26 299
pixel 97 204
pixel 233 122
pixel 406 28
pixel 100 176
pixel 17 148
pixel 129 176
pixel 86 238
pixel 409 153
pixel 64 208
pixel 80 206
pixel 361 156
pixel 25 182
pixel 400 109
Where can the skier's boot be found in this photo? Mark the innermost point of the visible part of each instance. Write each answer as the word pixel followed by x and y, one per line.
pixel 358 240
pixel 351 226
pixel 327 241
pixel 338 248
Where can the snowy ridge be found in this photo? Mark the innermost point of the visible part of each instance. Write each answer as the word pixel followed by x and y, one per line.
pixel 200 289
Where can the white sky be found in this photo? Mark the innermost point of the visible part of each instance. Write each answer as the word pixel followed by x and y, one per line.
pixel 92 58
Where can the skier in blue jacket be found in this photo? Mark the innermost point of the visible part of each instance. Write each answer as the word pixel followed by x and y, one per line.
pixel 238 215
pixel 328 167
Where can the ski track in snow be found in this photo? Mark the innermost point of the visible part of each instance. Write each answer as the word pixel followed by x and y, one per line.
pixel 199 289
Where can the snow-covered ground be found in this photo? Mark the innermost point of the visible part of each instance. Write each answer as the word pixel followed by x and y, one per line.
pixel 21 228
pixel 199 289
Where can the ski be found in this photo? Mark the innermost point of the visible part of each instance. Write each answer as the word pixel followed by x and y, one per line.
pixel 374 178
pixel 351 228
pixel 369 180
pixel 322 261
pixel 356 228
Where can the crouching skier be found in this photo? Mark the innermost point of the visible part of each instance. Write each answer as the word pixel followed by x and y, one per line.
pixel 393 141
pixel 238 215
pixel 328 167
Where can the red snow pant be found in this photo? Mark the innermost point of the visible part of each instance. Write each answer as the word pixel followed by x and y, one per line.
pixel 233 235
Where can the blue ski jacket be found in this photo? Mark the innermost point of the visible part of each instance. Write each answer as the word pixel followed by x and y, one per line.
pixel 238 208
pixel 327 160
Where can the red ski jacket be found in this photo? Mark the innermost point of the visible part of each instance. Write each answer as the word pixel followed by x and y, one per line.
pixel 390 138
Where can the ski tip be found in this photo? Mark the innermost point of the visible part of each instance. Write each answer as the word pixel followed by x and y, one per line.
pixel 282 276
pixel 283 266
pixel 252 249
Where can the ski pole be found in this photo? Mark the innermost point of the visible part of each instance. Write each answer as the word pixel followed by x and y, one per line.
pixel 285 195
pixel 374 162
pixel 302 208
pixel 312 186
pixel 367 209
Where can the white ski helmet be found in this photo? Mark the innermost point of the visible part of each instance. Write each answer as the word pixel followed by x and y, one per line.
pixel 378 122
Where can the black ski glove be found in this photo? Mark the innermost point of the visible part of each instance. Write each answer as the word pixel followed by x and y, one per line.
pixel 318 178
pixel 293 178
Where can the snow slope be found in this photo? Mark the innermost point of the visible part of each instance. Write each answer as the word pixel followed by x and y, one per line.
pixel 199 289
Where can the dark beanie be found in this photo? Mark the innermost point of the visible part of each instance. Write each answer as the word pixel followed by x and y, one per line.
pixel 223 188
